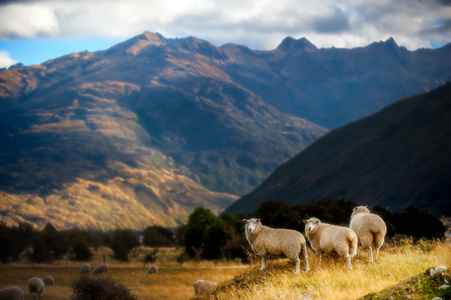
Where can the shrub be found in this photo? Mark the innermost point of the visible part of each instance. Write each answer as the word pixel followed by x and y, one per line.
pixel 122 242
pixel 99 288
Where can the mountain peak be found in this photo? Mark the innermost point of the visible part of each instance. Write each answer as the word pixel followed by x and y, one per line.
pixel 150 36
pixel 390 43
pixel 289 44
pixel 143 40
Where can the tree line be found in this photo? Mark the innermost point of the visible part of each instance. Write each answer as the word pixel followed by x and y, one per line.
pixel 205 236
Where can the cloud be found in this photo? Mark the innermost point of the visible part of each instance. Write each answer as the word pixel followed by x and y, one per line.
pixel 5 60
pixel 443 28
pixel 259 24
pixel 27 20
pixel 336 23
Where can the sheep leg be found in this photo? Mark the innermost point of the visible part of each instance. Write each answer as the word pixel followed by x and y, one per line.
pixel 306 259
pixel 263 263
pixel 298 266
pixel 370 254
pixel 348 262
pixel 319 263
pixel 377 252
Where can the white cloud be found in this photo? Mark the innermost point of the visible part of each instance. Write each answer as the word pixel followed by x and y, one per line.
pixel 27 21
pixel 5 60
pixel 259 24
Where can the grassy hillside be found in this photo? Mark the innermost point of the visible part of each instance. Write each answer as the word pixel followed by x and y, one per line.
pixel 333 280
pixel 402 265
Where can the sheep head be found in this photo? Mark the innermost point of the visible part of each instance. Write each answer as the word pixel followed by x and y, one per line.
pixel 252 225
pixel 311 224
pixel 360 209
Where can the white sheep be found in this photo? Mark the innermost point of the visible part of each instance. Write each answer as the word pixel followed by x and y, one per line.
pixel 36 286
pixel 11 293
pixel 152 270
pixel 266 241
pixel 202 287
pixel 48 280
pixel 85 269
pixel 370 230
pixel 326 238
pixel 100 269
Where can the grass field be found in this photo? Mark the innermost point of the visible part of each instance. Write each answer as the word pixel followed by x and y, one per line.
pixel 172 281
pixel 330 281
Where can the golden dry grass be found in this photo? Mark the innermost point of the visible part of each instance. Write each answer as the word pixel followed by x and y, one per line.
pixel 330 281
pixel 172 281
pixel 333 280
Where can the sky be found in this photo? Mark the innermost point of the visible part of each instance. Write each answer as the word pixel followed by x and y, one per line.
pixel 32 31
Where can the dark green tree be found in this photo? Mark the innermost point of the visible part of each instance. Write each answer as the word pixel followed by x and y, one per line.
pixel 55 241
pixel 122 242
pixel 158 236
pixel 14 240
pixel 419 223
pixel 80 248
pixel 216 236
pixel 39 253
pixel 195 232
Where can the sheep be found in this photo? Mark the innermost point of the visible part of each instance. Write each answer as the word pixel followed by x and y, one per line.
pixel 327 238
pixel 11 293
pixel 36 286
pixel 152 270
pixel 370 230
pixel 266 241
pixel 100 269
pixel 203 286
pixel 48 280
pixel 85 269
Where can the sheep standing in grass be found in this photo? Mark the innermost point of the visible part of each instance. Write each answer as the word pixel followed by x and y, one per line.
pixel 325 238
pixel 276 242
pixel 48 280
pixel 36 286
pixel 100 269
pixel 85 269
pixel 11 293
pixel 202 287
pixel 152 270
pixel 370 230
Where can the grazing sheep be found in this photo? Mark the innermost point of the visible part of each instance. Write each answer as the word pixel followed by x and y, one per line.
pixel 48 280
pixel 85 269
pixel 36 286
pixel 100 269
pixel 203 286
pixel 276 242
pixel 370 230
pixel 11 293
pixel 152 270
pixel 326 238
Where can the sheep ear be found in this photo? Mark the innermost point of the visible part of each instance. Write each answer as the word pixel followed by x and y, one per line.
pixel 244 220
pixel 258 220
pixel 366 206
pixel 305 221
pixel 316 221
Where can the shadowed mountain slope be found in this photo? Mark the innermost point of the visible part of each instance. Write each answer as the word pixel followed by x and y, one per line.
pixel 394 158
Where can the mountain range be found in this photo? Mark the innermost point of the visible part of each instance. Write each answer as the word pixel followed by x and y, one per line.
pixel 397 157
pixel 145 131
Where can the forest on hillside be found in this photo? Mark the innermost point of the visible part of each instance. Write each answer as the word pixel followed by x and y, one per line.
pixel 205 236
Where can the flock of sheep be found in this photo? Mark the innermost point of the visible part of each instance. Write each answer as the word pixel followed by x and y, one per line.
pixel 324 238
pixel 36 285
